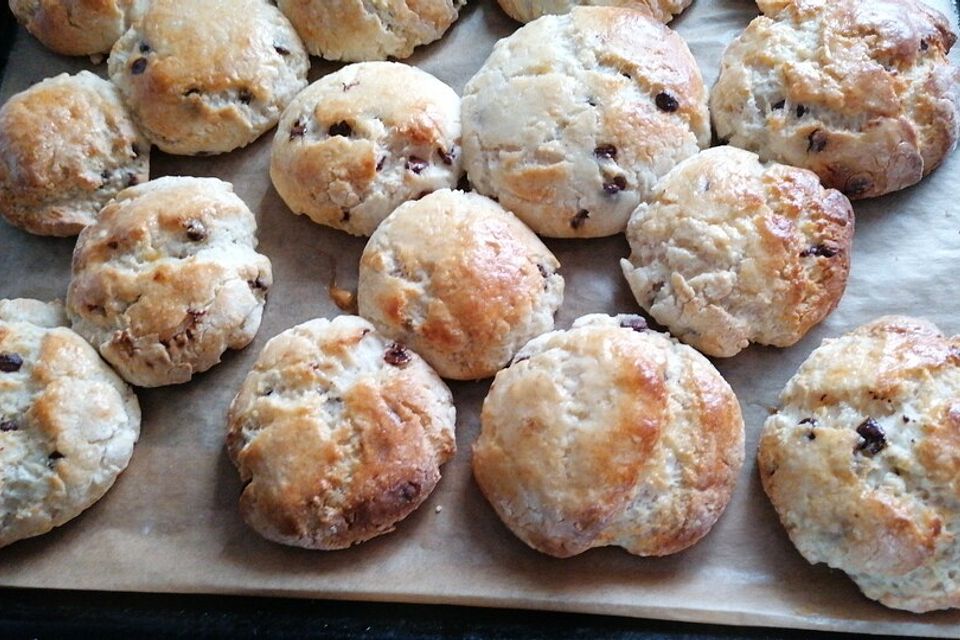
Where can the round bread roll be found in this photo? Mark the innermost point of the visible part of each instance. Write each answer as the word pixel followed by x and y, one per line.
pixel 572 119
pixel 527 10
pixel 730 251
pixel 358 30
pixel 608 434
pixel 67 422
pixel 207 76
pixel 338 434
pixel 357 143
pixel 67 146
pixel 861 93
pixel 460 280
pixel 861 461
pixel 78 27
pixel 168 279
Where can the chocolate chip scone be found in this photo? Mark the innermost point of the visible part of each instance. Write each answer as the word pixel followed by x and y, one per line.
pixel 609 434
pixel 67 145
pixel 78 27
pixel 730 251
pixel 358 143
pixel 208 76
pixel 862 93
pixel 338 434
pixel 67 422
pixel 358 30
pixel 573 119
pixel 527 10
pixel 460 280
pixel 862 461
pixel 168 279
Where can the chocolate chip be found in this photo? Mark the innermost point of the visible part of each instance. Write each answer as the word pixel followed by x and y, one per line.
pixel 616 185
pixel 592 102
pixel 543 271
pixel 113 245
pixel 801 110
pixel 258 283
pixel 811 421
pixel 138 66
pixel 123 341
pixel 192 91
pixel 446 156
pixel 281 50
pixel 577 221
pixel 779 105
pixel 397 355
pixel 245 96
pixel 873 439
pixel 195 230
pixel 857 185
pixel 821 250
pixel 10 362
pixel 636 323
pixel 56 455
pixel 666 102
pixel 9 425
pixel 605 151
pixel 923 45
pixel 297 130
pixel 340 129
pixel 380 163
pixel 105 175
pixel 132 179
pixel 408 491
pixel 416 164
pixel 906 419
pixel 463 184
pixel 144 47
pixel 817 141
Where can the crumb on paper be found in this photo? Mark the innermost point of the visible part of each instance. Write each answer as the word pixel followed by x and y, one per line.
pixel 438 509
pixel 344 299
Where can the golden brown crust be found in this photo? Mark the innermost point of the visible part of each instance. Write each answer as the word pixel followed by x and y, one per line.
pixel 603 435
pixel 168 279
pixel 460 280
pixel 861 461
pixel 359 142
pixel 861 93
pixel 355 30
pixel 573 135
pixel 211 82
pixel 67 145
pixel 730 251
pixel 77 27
pixel 353 457
pixel 68 424
pixel 527 10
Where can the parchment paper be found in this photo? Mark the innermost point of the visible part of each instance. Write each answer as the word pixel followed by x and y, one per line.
pixel 170 524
